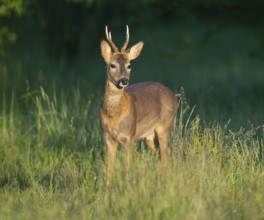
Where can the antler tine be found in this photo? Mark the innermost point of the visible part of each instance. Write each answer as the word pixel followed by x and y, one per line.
pixel 109 39
pixel 127 40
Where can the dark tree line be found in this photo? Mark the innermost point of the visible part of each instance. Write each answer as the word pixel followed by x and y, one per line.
pixel 63 23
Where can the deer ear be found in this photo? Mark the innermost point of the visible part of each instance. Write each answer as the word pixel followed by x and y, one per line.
pixel 134 51
pixel 106 51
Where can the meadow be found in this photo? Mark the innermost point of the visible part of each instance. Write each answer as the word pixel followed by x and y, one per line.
pixel 52 154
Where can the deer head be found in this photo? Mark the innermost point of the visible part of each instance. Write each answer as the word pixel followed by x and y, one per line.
pixel 118 62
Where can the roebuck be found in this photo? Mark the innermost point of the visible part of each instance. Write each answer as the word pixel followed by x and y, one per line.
pixel 143 111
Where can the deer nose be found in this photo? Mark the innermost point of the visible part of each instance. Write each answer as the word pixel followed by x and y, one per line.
pixel 123 82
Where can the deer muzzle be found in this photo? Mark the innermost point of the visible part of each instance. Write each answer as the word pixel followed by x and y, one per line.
pixel 122 83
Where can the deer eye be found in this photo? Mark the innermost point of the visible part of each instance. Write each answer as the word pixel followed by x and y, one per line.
pixel 129 66
pixel 113 66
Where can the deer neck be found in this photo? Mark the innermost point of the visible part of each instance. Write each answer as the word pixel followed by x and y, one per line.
pixel 114 100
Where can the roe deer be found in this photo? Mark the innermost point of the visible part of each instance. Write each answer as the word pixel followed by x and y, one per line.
pixel 143 111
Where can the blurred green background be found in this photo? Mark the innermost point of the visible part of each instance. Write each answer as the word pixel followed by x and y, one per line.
pixel 213 49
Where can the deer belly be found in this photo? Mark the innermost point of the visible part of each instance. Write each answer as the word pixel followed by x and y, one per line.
pixel 146 128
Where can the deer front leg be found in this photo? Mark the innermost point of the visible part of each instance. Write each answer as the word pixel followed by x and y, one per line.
pixel 111 156
pixel 129 155
pixel 127 142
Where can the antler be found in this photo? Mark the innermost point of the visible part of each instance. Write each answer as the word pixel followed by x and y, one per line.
pixel 127 40
pixel 109 39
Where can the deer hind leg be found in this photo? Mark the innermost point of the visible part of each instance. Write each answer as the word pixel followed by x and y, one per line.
pixel 163 138
pixel 150 141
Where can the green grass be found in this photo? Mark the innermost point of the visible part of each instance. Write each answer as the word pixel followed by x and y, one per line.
pixel 52 166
